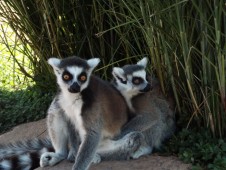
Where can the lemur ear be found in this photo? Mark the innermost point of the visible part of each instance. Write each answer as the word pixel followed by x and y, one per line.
pixel 54 62
pixel 119 74
pixel 93 62
pixel 143 62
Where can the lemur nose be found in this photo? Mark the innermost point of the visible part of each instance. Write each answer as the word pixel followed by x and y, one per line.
pixel 147 88
pixel 74 88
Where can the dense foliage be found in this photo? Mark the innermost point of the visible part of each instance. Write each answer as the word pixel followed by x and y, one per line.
pixel 22 106
pixel 199 148
pixel 184 40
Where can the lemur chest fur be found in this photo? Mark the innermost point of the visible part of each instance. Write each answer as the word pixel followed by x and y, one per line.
pixel 72 105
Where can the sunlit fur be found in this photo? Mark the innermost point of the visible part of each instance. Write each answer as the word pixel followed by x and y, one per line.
pixel 86 118
pixel 81 123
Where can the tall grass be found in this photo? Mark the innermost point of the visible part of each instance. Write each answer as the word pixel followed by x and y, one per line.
pixel 16 71
pixel 185 41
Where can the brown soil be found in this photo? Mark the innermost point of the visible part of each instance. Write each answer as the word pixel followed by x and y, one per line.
pixel 152 162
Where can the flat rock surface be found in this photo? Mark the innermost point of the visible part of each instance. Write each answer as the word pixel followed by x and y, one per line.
pixel 152 162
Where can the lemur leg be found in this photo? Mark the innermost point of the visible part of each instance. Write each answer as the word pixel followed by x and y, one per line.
pixel 139 123
pixel 144 124
pixel 87 150
pixel 58 131
pixel 74 146
pixel 120 149
pixel 154 136
pixel 74 142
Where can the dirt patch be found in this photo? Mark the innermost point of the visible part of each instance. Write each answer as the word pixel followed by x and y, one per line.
pixel 152 162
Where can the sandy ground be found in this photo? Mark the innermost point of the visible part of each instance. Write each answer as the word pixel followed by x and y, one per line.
pixel 152 162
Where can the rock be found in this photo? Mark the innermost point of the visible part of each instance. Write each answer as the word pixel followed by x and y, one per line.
pixel 152 162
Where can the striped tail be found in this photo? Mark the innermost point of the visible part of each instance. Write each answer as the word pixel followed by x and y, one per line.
pixel 23 155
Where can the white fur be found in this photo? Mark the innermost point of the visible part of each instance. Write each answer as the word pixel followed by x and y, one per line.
pixel 143 150
pixel 128 96
pixel 57 128
pixel 75 71
pixel 140 73
pixel 6 165
pixel 128 90
pixel 43 150
pixel 143 62
pixel 93 62
pixel 72 105
pixel 107 145
pixel 45 161
pixel 25 161
pixel 117 71
pixel 54 62
pixel 128 144
pixel 96 159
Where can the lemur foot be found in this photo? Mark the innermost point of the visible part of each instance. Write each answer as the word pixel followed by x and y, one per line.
pixel 134 140
pixel 50 159
pixel 96 159
pixel 141 151
pixel 71 156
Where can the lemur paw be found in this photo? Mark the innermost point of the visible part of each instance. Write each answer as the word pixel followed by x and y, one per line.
pixel 141 151
pixel 96 159
pixel 50 159
pixel 71 156
pixel 134 140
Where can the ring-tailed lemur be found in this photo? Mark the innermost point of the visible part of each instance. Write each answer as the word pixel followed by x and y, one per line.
pixel 155 115
pixel 82 115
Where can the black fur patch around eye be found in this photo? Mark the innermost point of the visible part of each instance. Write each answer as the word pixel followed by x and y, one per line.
pixel 122 81
pixel 82 77
pixel 137 80
pixel 66 76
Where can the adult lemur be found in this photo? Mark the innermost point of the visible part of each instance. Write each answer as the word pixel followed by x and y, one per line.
pixel 155 115
pixel 86 114
pixel 103 113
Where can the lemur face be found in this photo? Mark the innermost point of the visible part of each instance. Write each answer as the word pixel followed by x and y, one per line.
pixel 73 73
pixel 132 78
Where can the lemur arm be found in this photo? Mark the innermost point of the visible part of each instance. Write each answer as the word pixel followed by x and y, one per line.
pixel 74 141
pixel 87 150
pixel 139 123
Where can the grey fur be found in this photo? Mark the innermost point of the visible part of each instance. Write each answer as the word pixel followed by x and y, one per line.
pixel 21 147
pixel 154 123
pixel 155 114
pixel 73 60
pixel 129 69
pixel 98 113
pixel 23 155
pixel 86 120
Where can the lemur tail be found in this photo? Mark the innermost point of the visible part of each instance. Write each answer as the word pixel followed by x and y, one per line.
pixel 23 155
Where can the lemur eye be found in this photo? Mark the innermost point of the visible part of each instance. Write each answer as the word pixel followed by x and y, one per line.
pixel 82 77
pixel 137 80
pixel 67 76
